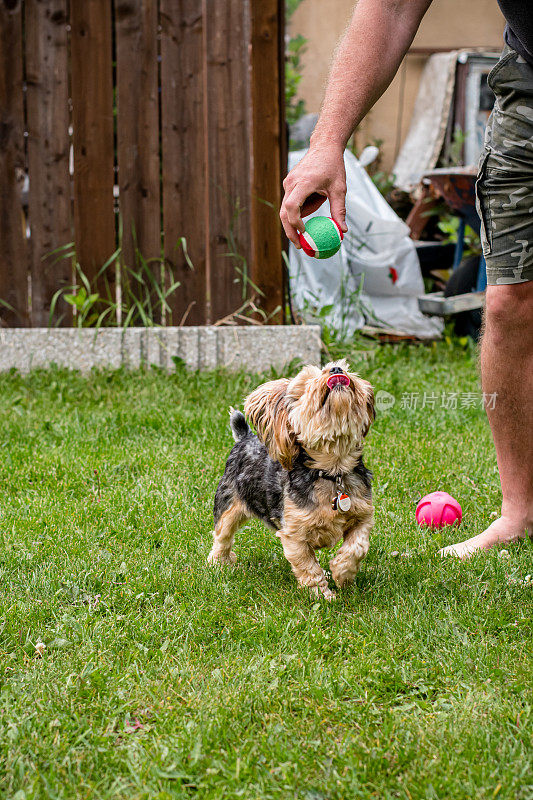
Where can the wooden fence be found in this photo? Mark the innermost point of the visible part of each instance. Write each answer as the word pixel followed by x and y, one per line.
pixel 165 114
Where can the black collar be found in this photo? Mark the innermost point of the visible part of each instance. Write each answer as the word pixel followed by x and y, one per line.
pixel 314 474
pixel 320 473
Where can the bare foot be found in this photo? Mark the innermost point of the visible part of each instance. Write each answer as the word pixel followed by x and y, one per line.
pixel 226 559
pixel 503 530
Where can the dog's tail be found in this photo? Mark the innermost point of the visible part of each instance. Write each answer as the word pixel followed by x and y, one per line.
pixel 239 426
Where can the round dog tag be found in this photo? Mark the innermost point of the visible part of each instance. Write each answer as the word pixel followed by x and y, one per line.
pixel 344 502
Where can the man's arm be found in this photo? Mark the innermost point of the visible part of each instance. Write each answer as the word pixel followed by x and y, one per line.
pixel 367 59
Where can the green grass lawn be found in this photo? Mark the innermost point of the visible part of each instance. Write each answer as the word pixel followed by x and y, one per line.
pixel 162 678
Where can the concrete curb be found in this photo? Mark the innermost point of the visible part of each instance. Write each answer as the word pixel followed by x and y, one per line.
pixel 252 348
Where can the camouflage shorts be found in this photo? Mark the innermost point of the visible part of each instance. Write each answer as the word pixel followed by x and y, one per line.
pixel 505 180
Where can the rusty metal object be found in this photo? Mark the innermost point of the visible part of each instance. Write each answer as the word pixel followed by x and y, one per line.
pixel 456 186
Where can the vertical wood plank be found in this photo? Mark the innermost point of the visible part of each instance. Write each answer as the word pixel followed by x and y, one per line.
pixel 185 208
pixel 228 153
pixel 48 155
pixel 13 243
pixel 92 119
pixel 267 74
pixel 283 150
pixel 138 127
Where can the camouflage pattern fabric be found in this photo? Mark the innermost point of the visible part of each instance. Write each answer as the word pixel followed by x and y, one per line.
pixel 505 180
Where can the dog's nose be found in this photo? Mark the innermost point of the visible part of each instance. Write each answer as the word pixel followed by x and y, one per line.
pixel 336 371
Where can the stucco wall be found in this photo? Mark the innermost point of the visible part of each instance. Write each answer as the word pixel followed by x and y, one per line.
pixel 448 24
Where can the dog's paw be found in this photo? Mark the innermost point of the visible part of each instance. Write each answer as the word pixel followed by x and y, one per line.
pixel 222 558
pixel 323 591
pixel 328 594
pixel 341 574
pixel 341 578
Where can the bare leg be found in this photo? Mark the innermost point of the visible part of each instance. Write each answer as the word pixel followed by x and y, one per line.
pixel 305 566
pixel 224 534
pixel 345 566
pixel 507 369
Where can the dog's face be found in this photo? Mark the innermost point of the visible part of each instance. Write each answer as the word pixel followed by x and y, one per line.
pixel 323 410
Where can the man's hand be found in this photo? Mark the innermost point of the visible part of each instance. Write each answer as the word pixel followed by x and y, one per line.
pixel 319 175
pixel 367 58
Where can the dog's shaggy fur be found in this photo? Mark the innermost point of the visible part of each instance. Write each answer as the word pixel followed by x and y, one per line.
pixel 309 443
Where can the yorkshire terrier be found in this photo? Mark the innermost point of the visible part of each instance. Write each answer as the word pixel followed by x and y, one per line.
pixel 303 474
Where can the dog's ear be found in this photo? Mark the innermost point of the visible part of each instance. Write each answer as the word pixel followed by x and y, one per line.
pixel 370 408
pixel 364 398
pixel 267 409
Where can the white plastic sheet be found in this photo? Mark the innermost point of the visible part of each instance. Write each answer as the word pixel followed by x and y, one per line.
pixel 375 277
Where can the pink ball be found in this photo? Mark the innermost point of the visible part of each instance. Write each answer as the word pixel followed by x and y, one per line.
pixel 438 509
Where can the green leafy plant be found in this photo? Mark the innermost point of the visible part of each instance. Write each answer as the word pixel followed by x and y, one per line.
pixel 350 302
pixel 240 262
pixel 140 297
pixel 8 306
pixel 291 6
pixel 454 153
pixel 296 46
pixel 449 226
pixel 140 294
pixel 83 303
pixel 383 181
pixel 250 310
pixel 294 106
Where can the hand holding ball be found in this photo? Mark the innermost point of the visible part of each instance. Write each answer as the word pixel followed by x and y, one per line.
pixel 437 510
pixel 322 237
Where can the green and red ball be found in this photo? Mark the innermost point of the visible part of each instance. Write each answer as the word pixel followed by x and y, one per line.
pixel 322 237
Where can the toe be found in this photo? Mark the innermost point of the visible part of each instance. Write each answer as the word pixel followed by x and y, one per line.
pixel 459 550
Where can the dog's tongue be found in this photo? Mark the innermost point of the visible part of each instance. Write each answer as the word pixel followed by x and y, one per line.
pixel 334 380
